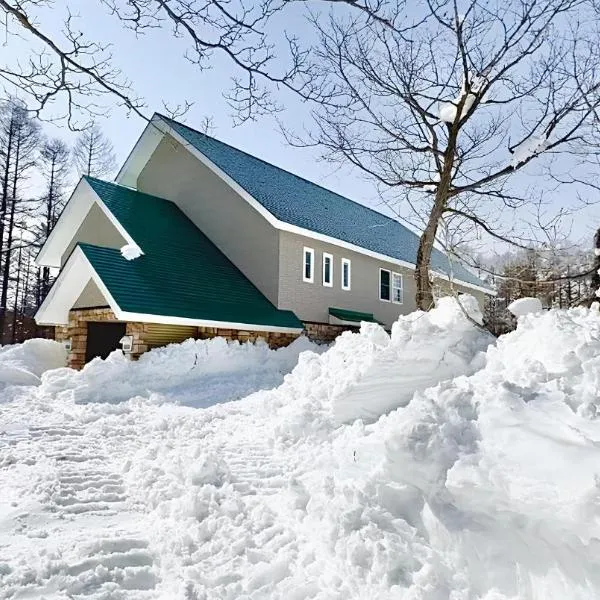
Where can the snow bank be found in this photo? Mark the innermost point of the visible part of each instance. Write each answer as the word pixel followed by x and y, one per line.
pixel 505 464
pixel 483 487
pixel 23 364
pixel 525 306
pixel 196 373
pixel 366 375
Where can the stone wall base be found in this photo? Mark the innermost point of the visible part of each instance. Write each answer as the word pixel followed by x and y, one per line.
pixel 324 333
pixel 273 339
pixel 148 335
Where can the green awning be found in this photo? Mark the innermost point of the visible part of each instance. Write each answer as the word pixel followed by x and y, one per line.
pixel 351 315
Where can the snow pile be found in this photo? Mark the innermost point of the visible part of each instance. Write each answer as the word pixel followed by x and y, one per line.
pixel 484 486
pixel 131 251
pixel 524 306
pixel 23 364
pixel 368 375
pixel 504 465
pixel 195 373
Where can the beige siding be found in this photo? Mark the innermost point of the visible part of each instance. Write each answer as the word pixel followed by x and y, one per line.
pixel 157 334
pixel 236 228
pixel 311 301
pixel 95 229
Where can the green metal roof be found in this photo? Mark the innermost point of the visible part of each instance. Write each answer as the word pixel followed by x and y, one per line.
pixel 351 315
pixel 181 273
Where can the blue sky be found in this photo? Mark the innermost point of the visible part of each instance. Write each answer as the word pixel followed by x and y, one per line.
pixel 159 73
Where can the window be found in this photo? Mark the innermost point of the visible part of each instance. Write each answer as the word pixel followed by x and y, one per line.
pixel 397 293
pixel 308 265
pixel 346 274
pixel 327 270
pixel 384 285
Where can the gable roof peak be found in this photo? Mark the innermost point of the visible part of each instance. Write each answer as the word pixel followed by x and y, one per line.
pixel 171 121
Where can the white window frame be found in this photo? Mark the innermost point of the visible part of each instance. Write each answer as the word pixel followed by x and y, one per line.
pixel 379 290
pixel 401 288
pixel 346 261
pixel 326 256
pixel 310 251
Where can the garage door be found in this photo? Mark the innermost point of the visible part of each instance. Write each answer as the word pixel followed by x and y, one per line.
pixel 102 339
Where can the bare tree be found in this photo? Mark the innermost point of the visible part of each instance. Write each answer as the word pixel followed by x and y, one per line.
pixel 74 71
pixel 443 102
pixel 93 153
pixel 54 159
pixel 19 137
pixel 595 283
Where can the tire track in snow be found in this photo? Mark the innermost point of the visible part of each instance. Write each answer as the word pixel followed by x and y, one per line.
pixel 87 539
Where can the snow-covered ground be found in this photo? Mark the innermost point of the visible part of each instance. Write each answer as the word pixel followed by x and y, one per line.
pixel 482 483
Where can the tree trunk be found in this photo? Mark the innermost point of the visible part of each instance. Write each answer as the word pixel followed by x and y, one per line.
pixel 6 273
pixel 5 180
pixel 89 161
pixel 596 274
pixel 25 288
pixel 49 213
pixel 16 302
pixel 424 297
pixel 9 241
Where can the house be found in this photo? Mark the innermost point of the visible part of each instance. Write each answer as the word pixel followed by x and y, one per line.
pixel 228 245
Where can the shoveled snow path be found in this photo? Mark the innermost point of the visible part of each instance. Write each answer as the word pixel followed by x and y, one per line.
pixel 136 502
pixel 246 500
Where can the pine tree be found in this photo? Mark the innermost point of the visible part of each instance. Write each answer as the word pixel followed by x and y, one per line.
pixel 19 138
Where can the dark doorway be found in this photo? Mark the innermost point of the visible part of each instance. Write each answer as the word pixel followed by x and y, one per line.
pixel 102 339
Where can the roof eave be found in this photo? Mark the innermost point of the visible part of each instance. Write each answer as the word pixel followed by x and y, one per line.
pixel 69 284
pixel 141 152
pixel 185 321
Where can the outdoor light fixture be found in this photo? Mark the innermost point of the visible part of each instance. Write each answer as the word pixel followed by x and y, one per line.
pixel 68 344
pixel 127 343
